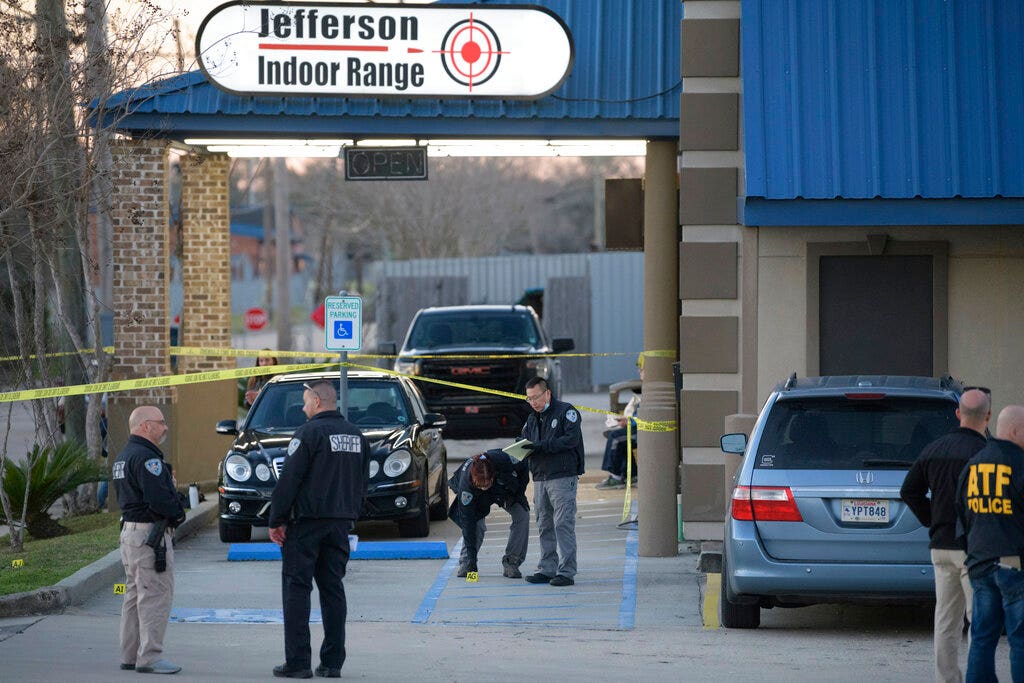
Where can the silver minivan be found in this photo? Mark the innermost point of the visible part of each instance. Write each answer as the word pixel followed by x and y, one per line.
pixel 815 514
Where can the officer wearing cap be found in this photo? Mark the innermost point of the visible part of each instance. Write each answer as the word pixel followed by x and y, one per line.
pixel 313 507
pixel 486 479
pixel 147 495
pixel 556 461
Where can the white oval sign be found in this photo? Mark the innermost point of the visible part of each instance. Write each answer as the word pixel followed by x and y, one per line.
pixel 394 51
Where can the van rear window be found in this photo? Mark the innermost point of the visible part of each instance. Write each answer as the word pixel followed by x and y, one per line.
pixel 839 433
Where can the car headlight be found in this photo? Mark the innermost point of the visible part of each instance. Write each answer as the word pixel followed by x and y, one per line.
pixel 374 468
pixel 407 366
pixel 397 463
pixel 540 366
pixel 262 472
pixel 238 467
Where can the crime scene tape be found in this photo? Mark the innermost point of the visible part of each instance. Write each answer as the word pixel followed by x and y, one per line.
pixel 216 375
pixel 56 354
pixel 628 500
pixel 255 353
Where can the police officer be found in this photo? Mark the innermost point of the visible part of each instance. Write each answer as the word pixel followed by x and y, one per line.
pixel 313 507
pixel 555 463
pixel 990 505
pixel 491 478
pixel 147 495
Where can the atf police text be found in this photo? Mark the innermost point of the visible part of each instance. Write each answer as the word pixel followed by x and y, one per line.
pixel 985 485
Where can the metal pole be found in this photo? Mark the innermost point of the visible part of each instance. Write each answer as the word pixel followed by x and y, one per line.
pixel 343 386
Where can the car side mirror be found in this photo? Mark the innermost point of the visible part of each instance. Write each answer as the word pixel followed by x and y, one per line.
pixel 436 420
pixel 228 427
pixel 387 348
pixel 734 443
pixel 562 344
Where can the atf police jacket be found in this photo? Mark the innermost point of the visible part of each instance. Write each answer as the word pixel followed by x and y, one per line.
pixel 144 486
pixel 472 504
pixel 559 442
pixel 990 505
pixel 324 475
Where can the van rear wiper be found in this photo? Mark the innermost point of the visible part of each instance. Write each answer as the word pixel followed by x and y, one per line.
pixel 880 462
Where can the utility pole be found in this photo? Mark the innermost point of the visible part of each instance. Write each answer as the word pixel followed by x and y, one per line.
pixel 283 273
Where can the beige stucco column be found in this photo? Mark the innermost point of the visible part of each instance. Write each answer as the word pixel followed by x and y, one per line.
pixel 658 451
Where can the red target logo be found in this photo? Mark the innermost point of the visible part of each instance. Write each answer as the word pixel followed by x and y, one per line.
pixel 470 52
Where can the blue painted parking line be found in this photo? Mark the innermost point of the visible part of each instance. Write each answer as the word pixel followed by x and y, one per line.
pixel 627 609
pixel 367 550
pixel 430 599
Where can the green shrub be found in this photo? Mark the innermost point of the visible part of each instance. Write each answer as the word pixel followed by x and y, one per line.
pixel 53 472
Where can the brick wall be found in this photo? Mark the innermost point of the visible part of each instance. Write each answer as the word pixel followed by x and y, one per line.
pixel 206 262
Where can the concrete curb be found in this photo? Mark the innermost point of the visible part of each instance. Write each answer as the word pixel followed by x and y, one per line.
pixel 77 588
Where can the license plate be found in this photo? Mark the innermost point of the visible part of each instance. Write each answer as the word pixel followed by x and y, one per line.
pixel 472 410
pixel 865 511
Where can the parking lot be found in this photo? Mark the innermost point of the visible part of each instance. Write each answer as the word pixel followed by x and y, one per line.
pixel 625 618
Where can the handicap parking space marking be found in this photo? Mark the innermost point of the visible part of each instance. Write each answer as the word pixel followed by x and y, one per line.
pixel 430 599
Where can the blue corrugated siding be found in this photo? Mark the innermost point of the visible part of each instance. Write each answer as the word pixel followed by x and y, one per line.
pixel 883 98
pixel 626 69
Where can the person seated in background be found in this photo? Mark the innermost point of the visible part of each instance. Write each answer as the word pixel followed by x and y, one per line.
pixel 616 444
pixel 256 382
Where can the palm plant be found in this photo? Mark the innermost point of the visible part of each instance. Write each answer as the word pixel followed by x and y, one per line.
pixel 46 475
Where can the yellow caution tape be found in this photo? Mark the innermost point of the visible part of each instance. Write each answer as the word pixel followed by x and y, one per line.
pixel 55 354
pixel 151 382
pixel 258 370
pixel 261 353
pixel 627 501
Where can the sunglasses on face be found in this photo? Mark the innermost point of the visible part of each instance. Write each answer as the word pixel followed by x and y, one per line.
pixel 984 390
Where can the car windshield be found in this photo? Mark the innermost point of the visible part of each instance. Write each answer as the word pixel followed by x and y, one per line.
pixel 434 330
pixel 841 433
pixel 371 404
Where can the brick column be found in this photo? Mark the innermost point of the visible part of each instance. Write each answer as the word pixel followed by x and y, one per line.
pixel 140 288
pixel 716 318
pixel 140 295
pixel 206 262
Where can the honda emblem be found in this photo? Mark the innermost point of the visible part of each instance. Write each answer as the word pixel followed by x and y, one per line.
pixel 865 477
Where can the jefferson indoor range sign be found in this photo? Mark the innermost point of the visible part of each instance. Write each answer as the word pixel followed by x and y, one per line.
pixel 385 50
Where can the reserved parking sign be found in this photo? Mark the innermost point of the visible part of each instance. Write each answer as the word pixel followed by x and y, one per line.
pixel 343 328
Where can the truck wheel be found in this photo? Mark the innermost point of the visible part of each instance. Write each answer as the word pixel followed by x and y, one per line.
pixel 234 533
pixel 733 614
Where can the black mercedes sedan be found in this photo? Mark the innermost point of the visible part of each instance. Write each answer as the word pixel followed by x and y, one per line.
pixel 406 481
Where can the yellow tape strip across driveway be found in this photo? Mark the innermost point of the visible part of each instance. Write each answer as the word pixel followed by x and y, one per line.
pixel 216 375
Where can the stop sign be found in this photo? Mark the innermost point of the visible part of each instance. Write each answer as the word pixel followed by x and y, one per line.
pixel 255 319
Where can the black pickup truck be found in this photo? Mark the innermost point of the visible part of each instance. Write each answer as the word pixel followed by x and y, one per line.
pixel 492 347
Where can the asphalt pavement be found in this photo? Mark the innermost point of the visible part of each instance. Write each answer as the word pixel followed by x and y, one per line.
pixel 626 618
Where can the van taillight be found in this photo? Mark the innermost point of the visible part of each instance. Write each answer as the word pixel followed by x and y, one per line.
pixel 765 504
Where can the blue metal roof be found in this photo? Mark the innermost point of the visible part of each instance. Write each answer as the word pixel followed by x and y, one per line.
pixel 624 84
pixel 891 99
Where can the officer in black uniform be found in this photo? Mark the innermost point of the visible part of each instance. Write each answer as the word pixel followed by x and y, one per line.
pixel 486 479
pixel 147 496
pixel 313 507
pixel 556 461
pixel 990 506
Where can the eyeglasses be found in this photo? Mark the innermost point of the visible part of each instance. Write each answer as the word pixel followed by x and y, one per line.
pixel 984 390
pixel 159 422
pixel 534 399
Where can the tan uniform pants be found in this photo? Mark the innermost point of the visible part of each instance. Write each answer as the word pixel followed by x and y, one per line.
pixel 147 596
pixel 953 598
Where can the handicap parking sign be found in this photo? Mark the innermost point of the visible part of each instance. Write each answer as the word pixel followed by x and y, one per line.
pixel 343 316
pixel 342 329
